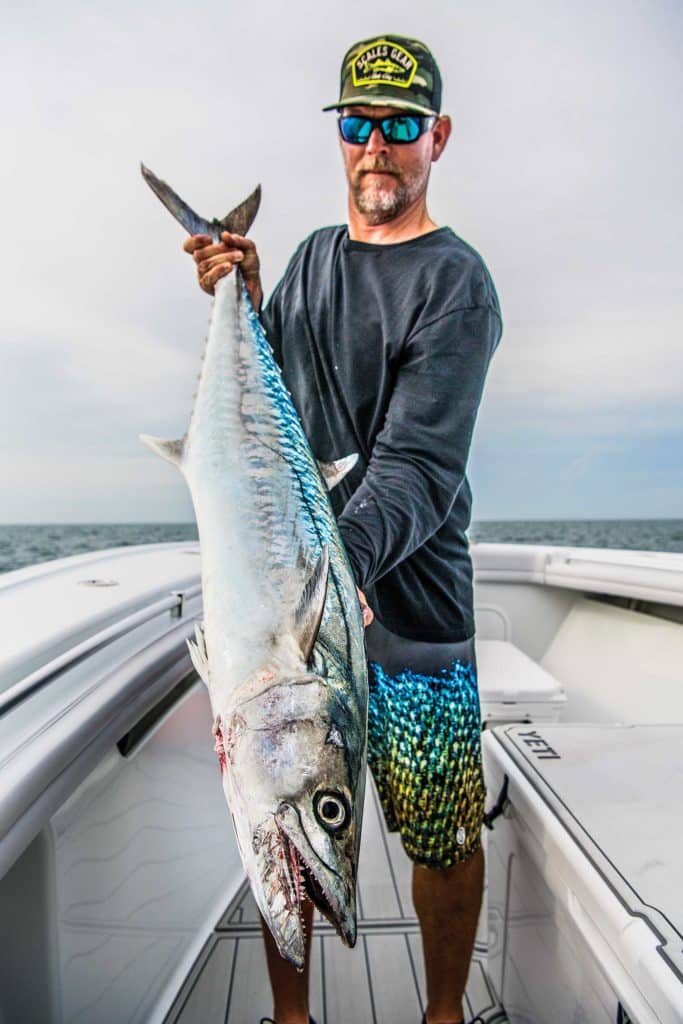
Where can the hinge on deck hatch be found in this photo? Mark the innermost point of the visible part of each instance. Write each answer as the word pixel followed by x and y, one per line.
pixel 499 806
pixel 177 609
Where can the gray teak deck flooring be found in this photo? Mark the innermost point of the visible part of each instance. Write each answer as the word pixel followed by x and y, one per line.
pixel 381 981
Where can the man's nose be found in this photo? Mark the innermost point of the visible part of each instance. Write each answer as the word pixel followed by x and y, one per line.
pixel 376 143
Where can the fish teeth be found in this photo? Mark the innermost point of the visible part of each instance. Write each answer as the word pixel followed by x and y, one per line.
pixel 279 901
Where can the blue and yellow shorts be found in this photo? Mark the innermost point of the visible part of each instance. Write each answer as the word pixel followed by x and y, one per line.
pixel 424 744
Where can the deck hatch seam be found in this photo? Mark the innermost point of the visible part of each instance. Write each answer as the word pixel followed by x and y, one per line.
pixel 369 974
pixel 226 1015
pixel 414 973
pixel 387 852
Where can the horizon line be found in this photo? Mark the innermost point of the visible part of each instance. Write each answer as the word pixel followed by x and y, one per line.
pixel 474 522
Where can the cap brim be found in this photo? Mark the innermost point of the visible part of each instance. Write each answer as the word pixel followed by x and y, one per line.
pixel 381 101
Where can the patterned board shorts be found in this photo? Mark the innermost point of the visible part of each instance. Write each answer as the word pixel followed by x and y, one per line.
pixel 424 744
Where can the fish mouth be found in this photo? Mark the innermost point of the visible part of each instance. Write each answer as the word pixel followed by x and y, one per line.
pixel 310 876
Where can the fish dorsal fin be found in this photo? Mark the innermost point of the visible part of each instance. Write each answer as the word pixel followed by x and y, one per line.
pixel 172 451
pixel 334 472
pixel 238 220
pixel 309 610
pixel 198 653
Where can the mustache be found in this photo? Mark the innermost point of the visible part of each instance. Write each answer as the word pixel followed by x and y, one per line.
pixel 383 166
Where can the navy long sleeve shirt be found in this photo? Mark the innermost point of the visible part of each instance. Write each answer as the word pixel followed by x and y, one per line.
pixel 385 349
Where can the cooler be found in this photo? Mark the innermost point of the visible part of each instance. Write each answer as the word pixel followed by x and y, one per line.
pixel 513 687
pixel 585 873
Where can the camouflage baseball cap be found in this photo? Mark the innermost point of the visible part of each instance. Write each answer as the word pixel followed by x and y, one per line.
pixel 390 71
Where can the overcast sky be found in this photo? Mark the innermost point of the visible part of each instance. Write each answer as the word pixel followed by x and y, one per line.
pixel 564 170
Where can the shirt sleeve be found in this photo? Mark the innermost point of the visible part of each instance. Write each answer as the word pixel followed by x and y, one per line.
pixel 419 457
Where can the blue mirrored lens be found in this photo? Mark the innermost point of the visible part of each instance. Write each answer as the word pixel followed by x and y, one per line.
pixel 355 129
pixel 401 129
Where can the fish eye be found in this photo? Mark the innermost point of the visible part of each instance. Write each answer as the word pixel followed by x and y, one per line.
pixel 331 810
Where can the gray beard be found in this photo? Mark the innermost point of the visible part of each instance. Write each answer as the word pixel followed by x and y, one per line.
pixel 379 207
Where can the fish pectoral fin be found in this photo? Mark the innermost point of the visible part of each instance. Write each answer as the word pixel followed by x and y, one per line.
pixel 198 654
pixel 334 472
pixel 172 451
pixel 309 610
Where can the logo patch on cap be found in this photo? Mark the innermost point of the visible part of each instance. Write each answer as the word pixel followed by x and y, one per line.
pixel 383 61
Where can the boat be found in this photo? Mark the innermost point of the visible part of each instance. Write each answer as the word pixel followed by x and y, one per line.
pixel 122 896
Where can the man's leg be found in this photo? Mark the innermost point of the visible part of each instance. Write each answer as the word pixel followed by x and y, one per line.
pixel 290 987
pixel 424 749
pixel 447 902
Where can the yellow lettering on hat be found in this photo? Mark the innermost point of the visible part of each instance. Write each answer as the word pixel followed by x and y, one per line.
pixel 384 62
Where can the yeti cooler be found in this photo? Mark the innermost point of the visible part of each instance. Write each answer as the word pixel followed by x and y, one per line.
pixel 585 866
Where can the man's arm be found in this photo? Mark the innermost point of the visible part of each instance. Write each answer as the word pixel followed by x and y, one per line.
pixel 419 458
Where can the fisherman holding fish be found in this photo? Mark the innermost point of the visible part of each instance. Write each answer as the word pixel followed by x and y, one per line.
pixel 384 329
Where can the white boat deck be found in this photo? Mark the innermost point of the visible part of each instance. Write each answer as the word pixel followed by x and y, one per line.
pixel 381 981
pixel 97 727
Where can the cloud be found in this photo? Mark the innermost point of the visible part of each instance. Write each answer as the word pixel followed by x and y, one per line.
pixel 131 488
pixel 564 171
pixel 592 360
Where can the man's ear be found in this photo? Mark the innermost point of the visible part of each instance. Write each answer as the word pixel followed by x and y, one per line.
pixel 440 134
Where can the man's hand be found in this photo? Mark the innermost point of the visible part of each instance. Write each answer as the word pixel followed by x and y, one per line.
pixel 215 260
pixel 368 614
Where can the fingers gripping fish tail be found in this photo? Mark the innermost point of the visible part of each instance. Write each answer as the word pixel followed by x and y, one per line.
pixel 238 221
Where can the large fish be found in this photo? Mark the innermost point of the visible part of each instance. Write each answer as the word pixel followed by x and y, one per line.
pixel 281 646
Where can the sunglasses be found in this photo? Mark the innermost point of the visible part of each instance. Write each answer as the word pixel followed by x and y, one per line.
pixel 398 129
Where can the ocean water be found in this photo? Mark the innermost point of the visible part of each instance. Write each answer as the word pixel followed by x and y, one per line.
pixel 27 545
pixel 634 534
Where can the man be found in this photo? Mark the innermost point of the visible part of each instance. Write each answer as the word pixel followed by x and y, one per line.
pixel 384 330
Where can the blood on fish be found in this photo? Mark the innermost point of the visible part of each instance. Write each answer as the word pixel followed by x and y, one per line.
pixel 219 746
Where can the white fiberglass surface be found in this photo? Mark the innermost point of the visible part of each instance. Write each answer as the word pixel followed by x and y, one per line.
pixel 46 613
pixel 145 855
pixel 618 665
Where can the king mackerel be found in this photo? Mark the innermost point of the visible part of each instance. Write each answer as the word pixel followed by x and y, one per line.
pixel 281 646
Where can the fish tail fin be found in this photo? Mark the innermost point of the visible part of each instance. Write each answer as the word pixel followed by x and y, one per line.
pixel 238 220
pixel 172 451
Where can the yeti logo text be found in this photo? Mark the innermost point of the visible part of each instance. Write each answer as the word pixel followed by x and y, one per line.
pixel 383 61
pixel 539 747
